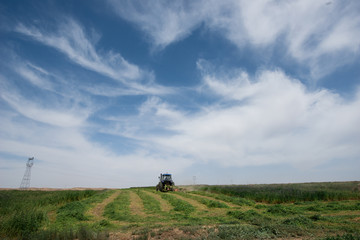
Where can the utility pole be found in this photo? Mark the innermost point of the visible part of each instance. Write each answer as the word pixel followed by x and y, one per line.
pixel 25 183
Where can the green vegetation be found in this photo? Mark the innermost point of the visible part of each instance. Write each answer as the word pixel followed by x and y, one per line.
pixel 250 216
pixel 282 210
pixel 119 209
pixel 151 205
pixel 208 202
pixel 74 211
pixel 231 199
pixel 210 212
pixel 282 193
pixel 23 214
pixel 178 204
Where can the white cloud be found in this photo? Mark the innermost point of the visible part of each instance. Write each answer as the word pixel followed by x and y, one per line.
pixel 261 120
pixel 35 74
pixel 63 118
pixel 66 156
pixel 72 40
pixel 264 119
pixel 310 31
pixel 165 22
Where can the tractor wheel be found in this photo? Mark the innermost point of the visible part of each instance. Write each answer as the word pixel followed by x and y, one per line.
pixel 161 187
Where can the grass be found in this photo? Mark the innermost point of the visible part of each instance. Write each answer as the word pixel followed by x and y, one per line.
pixel 119 209
pixel 207 202
pixel 227 212
pixel 23 223
pixel 282 193
pixel 151 205
pixel 25 213
pixel 178 204
pixel 279 209
pixel 82 232
pixel 74 211
pixel 231 199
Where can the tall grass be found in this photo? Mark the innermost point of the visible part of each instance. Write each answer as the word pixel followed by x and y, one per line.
pixel 281 193
pixel 22 213
pixel 23 223
pixel 11 201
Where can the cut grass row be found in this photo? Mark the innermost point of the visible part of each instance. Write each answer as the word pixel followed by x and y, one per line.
pixel 178 204
pixel 207 202
pixel 151 205
pixel 231 199
pixel 76 210
pixel 119 209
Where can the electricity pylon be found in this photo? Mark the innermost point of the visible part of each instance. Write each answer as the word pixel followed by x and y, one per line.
pixel 25 183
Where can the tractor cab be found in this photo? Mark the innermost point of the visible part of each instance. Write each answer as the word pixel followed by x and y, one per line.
pixel 165 183
pixel 165 177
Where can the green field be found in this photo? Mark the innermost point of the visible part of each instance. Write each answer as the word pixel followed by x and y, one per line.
pixel 278 211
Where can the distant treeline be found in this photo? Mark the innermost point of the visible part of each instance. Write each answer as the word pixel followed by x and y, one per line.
pixel 281 193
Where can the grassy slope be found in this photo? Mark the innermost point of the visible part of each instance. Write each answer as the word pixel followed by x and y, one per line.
pixel 228 212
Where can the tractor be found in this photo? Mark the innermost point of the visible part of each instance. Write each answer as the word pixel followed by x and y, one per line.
pixel 165 184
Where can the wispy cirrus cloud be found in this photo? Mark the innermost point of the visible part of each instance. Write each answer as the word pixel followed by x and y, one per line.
pixel 71 39
pixel 164 22
pixel 62 117
pixel 310 31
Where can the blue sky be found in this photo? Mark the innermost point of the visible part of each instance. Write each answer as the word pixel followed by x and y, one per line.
pixel 112 93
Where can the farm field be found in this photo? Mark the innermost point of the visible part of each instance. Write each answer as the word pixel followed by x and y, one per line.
pixel 277 211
